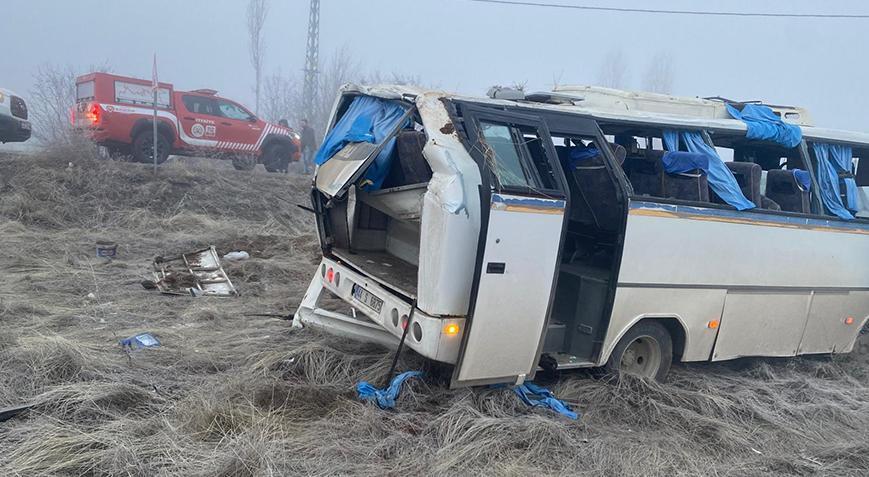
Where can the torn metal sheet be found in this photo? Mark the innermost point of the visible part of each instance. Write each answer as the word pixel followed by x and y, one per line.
pixel 195 273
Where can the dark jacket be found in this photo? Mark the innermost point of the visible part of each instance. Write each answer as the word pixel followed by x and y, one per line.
pixel 309 140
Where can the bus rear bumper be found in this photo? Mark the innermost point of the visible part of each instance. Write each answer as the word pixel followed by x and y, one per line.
pixel 433 337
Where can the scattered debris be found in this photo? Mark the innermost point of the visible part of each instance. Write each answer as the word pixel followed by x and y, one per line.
pixel 196 273
pixel 236 256
pixel 7 413
pixel 106 249
pixel 140 341
pixel 384 398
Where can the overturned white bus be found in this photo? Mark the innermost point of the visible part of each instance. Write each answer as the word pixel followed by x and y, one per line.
pixel 593 227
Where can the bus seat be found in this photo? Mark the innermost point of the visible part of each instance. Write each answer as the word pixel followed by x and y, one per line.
pixel 619 152
pixel 594 182
pixel 692 185
pixel 648 177
pixel 783 187
pixel 768 204
pixel 645 174
pixel 413 164
pixel 747 175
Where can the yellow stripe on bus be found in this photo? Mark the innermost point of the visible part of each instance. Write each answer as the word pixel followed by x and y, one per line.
pixel 733 220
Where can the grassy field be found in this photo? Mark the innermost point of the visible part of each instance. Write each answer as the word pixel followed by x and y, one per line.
pixel 231 394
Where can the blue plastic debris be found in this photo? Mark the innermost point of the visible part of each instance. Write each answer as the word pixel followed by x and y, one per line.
pixel 385 398
pixel 538 396
pixel 143 340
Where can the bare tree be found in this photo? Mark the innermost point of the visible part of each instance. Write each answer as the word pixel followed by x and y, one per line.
pixel 282 95
pixel 281 99
pixel 614 70
pixel 659 74
pixel 52 98
pixel 256 18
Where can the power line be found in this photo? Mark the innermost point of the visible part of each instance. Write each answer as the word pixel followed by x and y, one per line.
pixel 675 12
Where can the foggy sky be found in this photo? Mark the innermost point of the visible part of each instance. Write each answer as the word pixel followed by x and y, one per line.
pixel 462 46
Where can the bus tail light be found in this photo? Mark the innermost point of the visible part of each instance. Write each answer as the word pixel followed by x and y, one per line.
pixel 451 329
pixel 330 274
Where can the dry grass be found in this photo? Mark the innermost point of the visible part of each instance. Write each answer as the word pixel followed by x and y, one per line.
pixel 235 395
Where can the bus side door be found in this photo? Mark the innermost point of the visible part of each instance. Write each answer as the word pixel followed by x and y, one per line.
pixel 523 211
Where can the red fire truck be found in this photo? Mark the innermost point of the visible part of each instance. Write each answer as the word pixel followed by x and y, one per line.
pixel 118 112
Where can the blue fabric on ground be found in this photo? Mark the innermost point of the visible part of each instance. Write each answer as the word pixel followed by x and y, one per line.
pixel 385 398
pixel 579 154
pixel 828 180
pixel 367 119
pixel 764 125
pixel 681 161
pixel 538 396
pixel 720 178
pixel 803 178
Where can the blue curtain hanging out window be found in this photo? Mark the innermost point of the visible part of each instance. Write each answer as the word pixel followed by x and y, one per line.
pixel 764 125
pixel 833 158
pixel 721 180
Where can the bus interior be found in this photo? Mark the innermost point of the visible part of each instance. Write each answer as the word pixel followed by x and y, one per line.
pixel 378 231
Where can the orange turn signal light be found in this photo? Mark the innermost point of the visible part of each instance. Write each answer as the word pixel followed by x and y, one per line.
pixel 849 320
pixel 712 324
pixel 451 329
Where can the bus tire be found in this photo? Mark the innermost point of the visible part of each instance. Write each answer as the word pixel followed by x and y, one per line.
pixel 646 350
pixel 243 163
pixel 143 148
pixel 276 158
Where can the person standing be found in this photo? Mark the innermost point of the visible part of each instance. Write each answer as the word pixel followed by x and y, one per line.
pixel 309 146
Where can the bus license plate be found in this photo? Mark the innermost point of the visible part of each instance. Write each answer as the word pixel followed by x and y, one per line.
pixel 367 298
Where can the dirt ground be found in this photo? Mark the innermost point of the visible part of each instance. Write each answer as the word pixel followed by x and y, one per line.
pixel 229 393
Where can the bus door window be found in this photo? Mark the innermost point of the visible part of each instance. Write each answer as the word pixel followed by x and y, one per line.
pixel 517 158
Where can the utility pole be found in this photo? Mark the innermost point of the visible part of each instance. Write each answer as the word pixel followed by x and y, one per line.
pixel 312 60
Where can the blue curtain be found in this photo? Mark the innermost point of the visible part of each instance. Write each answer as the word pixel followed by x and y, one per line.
pixel 367 119
pixel 828 177
pixel 841 156
pixel 721 180
pixel 764 125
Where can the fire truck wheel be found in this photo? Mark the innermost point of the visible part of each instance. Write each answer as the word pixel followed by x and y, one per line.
pixel 244 163
pixel 143 148
pixel 276 158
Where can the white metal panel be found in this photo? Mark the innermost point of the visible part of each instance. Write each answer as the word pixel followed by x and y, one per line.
pixel 761 324
pixel 827 329
pixel 700 252
pixel 694 309
pixel 510 311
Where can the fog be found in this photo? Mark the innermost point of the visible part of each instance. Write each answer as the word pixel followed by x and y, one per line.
pixel 462 46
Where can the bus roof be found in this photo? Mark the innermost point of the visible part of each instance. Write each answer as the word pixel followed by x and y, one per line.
pixel 640 108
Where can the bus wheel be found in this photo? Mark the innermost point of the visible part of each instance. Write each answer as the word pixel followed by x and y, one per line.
pixel 646 350
pixel 243 163
pixel 143 148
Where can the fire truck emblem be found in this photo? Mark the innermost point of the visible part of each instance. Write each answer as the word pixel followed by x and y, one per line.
pixel 197 130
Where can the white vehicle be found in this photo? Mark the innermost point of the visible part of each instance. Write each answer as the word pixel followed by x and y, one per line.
pixel 505 231
pixel 14 126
